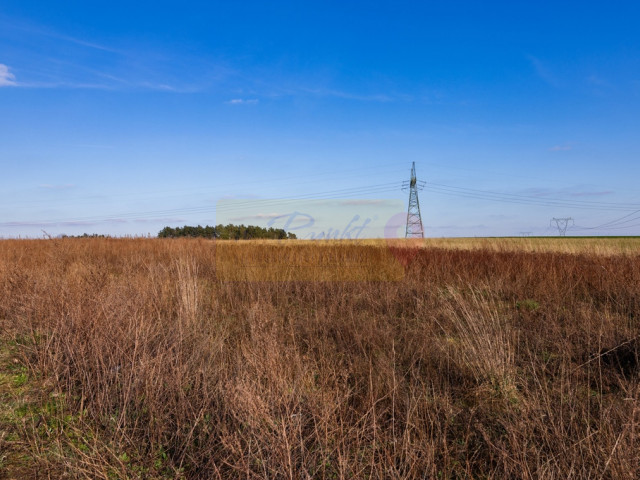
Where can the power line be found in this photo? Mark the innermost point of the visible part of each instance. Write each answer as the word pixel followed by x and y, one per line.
pixel 315 178
pixel 236 206
pixel 614 223
pixel 526 199
pixel 613 227
pixel 625 221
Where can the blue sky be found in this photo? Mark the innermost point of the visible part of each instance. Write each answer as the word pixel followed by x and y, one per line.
pixel 122 118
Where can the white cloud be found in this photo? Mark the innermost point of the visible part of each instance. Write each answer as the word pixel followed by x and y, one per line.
pixel 7 79
pixel 242 101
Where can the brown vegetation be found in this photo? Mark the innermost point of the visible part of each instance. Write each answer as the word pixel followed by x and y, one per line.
pixel 477 363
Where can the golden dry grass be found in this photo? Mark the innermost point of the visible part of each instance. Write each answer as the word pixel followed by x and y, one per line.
pixel 458 358
pixel 606 246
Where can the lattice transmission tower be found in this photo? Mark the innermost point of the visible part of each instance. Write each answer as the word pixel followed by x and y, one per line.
pixel 414 219
pixel 562 224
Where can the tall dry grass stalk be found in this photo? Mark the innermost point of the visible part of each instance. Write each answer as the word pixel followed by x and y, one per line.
pixel 480 336
pixel 477 363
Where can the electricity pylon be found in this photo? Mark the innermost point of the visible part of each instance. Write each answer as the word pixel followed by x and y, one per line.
pixel 562 224
pixel 414 219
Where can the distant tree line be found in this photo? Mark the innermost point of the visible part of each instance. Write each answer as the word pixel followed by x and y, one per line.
pixel 226 232
pixel 84 235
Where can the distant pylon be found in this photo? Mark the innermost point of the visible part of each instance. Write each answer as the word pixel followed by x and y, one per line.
pixel 414 219
pixel 562 224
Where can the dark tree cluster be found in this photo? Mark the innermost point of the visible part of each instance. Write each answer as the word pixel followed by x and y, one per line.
pixel 227 232
pixel 84 235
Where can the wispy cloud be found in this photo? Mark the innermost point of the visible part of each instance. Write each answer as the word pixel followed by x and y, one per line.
pixel 565 147
pixel 90 223
pixel 479 226
pixel 161 87
pixel 29 28
pixel 598 193
pixel 260 216
pixel 543 71
pixel 65 186
pixel 66 85
pixel 242 101
pixel 310 88
pixel 576 191
pixel 89 145
pixel 82 43
pixel 7 79
pixel 327 92
pixel 356 203
pixel 143 85
pixel 159 220
pixel 597 81
pixel 230 198
pixel 72 62
pixel 273 83
pixel 78 223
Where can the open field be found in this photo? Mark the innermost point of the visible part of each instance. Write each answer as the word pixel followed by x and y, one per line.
pixel 581 245
pixel 452 358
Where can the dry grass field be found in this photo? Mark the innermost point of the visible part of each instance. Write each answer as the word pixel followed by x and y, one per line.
pixel 444 359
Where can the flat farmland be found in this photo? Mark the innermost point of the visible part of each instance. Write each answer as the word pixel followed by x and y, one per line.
pixel 443 358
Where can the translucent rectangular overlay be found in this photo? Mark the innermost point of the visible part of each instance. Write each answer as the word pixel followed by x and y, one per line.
pixel 335 240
